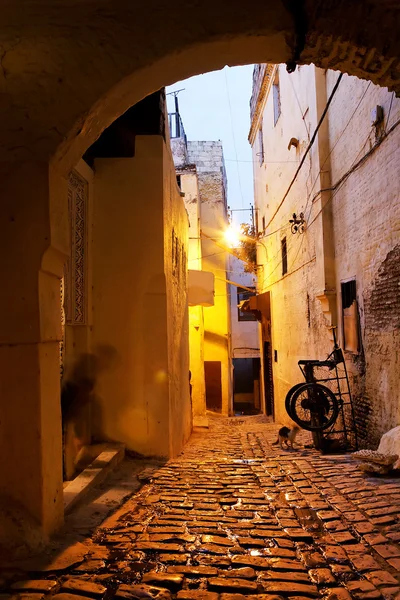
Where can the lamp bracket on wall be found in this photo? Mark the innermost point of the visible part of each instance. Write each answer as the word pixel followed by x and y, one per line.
pixel 298 223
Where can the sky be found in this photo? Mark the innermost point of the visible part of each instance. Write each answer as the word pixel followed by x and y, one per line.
pixel 215 106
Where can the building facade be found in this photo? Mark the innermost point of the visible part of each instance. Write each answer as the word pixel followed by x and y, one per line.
pixel 224 353
pixel 247 398
pixel 201 175
pixel 328 226
pixel 122 324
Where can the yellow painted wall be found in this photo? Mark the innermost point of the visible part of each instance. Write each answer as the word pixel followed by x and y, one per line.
pixel 143 401
pixel 189 187
pixel 200 165
pixel 217 317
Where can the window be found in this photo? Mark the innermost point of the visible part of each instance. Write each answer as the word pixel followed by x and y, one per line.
pixel 350 316
pixel 260 146
pixel 244 295
pixel 284 256
pixel 276 94
pixel 178 181
pixel 263 225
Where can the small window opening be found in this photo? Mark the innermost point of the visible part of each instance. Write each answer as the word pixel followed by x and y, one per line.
pixel 260 146
pixel 178 181
pixel 243 294
pixel 284 256
pixel 276 93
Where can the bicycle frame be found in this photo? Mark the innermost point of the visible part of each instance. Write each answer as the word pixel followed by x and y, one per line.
pixel 340 382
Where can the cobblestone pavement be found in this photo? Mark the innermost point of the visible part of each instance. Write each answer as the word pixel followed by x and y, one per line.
pixel 234 516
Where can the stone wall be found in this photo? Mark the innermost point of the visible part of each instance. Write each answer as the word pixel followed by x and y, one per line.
pixel 209 161
pixel 366 212
pixel 135 55
pixel 139 299
pixel 362 231
pixel 175 234
pixel 298 327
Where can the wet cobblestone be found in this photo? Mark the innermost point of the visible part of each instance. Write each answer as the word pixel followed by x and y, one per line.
pixel 235 517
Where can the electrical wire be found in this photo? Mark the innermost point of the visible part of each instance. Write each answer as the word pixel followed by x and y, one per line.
pixel 390 108
pixel 206 256
pixel 266 162
pixel 338 139
pixel 332 94
pixel 336 143
pixel 335 189
pixel 300 109
pixel 354 167
pixel 233 136
pixel 333 147
pixel 316 179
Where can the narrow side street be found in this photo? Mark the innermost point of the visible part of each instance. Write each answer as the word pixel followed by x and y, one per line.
pixel 235 516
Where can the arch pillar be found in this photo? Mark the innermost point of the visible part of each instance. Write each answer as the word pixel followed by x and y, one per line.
pixel 33 246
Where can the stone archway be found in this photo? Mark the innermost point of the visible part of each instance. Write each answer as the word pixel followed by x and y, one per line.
pixel 66 75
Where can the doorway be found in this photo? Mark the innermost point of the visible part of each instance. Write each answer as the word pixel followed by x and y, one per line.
pixel 213 372
pixel 246 388
pixel 268 379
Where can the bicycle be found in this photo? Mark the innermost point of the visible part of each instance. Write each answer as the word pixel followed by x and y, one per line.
pixel 316 407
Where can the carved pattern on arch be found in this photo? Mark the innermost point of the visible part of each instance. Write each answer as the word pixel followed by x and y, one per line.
pixel 75 270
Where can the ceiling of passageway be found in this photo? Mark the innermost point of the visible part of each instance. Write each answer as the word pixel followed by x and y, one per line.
pixel 68 68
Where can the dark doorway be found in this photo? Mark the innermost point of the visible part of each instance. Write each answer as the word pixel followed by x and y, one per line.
pixel 212 372
pixel 246 390
pixel 268 380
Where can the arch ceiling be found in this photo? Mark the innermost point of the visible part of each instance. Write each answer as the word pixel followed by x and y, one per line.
pixel 69 68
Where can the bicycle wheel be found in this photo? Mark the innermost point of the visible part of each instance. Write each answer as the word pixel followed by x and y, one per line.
pixel 289 396
pixel 314 407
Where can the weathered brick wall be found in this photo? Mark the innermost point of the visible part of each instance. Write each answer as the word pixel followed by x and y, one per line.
pixel 366 212
pixel 208 156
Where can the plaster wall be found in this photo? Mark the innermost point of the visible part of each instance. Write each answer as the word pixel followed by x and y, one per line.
pixel 208 158
pixel 78 336
pixel 137 401
pixel 298 326
pixel 175 217
pixel 351 233
pixel 366 210
pixel 34 245
pixel 78 272
pixel 245 342
pixel 189 187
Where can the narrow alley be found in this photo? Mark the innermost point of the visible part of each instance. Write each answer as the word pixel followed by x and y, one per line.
pixel 236 516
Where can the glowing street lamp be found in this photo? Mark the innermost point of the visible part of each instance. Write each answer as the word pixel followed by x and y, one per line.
pixel 232 236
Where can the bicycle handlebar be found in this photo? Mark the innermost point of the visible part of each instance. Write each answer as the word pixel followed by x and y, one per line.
pixel 318 363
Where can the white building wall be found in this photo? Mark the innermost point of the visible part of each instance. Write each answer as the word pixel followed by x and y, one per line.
pixel 352 232
pixel 298 327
